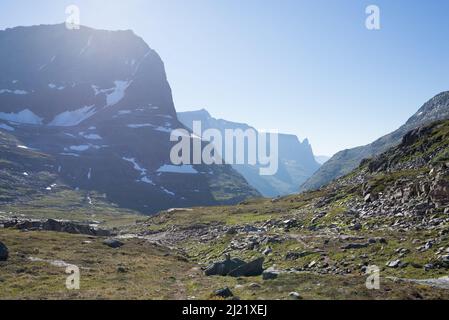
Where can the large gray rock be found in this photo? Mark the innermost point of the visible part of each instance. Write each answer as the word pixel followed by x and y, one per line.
pixel 394 263
pixel 251 269
pixel 270 274
pixel 224 293
pixel 222 268
pixel 113 243
pixel 52 225
pixel 3 252
pixel 235 268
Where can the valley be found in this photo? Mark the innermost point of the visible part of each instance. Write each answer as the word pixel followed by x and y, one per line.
pixel 391 212
pixel 87 182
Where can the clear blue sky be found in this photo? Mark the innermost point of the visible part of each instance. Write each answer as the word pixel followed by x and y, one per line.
pixel 305 67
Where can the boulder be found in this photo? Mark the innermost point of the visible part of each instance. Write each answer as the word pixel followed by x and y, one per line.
pixel 369 198
pixel 270 274
pixel 3 252
pixel 251 269
pixel 394 264
pixel 356 227
pixel 439 193
pixel 28 225
pixel 294 296
pixel 224 293
pixel 113 243
pixel 222 268
pixel 52 225
pixel 235 268
pixel 267 251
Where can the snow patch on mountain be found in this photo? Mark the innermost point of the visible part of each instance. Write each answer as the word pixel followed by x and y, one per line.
pixel 184 169
pixel 25 117
pixel 168 191
pixel 6 127
pixel 88 44
pixel 137 126
pixel 42 67
pixel 17 92
pixel 92 136
pixel 79 148
pixel 54 86
pixel 143 172
pixel 72 118
pixel 118 92
pixel 167 129
pixel 67 154
pixel 115 94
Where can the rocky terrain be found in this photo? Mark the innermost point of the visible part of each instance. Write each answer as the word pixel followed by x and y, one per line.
pixel 390 213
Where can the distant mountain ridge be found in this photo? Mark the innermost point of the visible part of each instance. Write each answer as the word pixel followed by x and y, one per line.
pixel 99 105
pixel 296 159
pixel 345 161
pixel 322 159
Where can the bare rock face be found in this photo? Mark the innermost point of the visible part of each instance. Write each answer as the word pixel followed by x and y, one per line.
pixel 439 193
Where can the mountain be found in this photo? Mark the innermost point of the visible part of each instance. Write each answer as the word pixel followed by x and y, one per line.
pixel 296 160
pixel 97 107
pixel 345 161
pixel 322 159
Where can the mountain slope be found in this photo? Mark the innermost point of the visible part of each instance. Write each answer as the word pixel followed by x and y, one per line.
pixel 343 162
pixel 296 160
pixel 391 212
pixel 99 104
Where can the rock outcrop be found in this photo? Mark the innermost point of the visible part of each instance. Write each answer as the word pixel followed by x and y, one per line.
pixel 55 226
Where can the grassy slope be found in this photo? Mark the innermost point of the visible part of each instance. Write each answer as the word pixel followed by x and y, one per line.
pixel 153 272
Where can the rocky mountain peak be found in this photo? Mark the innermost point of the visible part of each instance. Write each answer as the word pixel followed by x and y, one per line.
pixel 54 70
pixel 435 109
pixel 99 104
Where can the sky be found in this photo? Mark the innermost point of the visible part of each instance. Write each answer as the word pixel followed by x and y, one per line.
pixel 309 68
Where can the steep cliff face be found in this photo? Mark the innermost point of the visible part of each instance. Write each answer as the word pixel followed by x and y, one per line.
pixel 345 161
pixel 296 159
pixel 99 104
